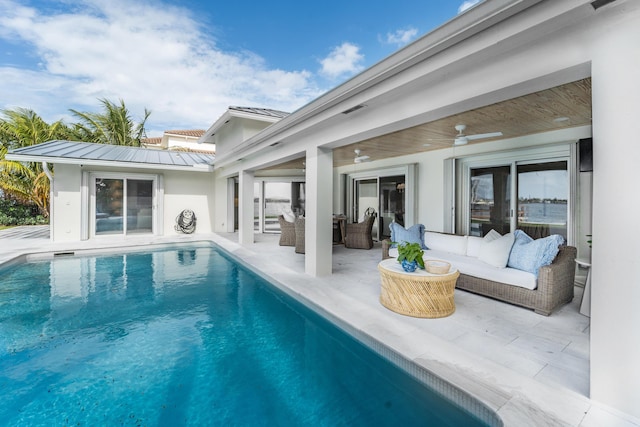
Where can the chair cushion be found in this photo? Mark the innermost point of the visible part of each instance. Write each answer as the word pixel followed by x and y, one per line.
pixel 413 234
pixel 529 255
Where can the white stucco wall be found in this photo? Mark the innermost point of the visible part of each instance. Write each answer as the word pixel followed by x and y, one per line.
pixel 182 190
pixel 186 190
pixel 615 297
pixel 67 203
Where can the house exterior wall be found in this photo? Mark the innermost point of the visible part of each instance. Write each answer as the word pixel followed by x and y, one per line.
pixel 182 190
pixel 186 190
pixel 67 203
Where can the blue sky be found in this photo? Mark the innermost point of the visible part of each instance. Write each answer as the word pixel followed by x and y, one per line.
pixel 188 60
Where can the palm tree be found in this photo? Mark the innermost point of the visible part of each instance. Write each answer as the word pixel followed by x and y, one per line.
pixel 113 126
pixel 26 182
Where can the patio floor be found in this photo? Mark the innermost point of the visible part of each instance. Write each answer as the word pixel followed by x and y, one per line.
pixel 531 369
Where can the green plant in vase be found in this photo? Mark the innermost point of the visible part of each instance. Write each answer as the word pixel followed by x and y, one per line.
pixel 410 256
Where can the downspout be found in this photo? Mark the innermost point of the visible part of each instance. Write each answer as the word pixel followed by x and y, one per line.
pixel 47 172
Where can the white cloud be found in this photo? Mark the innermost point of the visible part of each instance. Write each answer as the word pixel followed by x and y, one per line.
pixel 401 37
pixel 345 59
pixel 158 58
pixel 468 4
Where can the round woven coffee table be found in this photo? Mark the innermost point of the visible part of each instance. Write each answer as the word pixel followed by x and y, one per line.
pixel 417 294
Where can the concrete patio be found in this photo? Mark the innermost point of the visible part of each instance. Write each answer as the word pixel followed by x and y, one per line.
pixel 530 369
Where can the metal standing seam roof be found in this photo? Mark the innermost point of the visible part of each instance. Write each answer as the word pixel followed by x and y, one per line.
pixel 262 111
pixel 104 154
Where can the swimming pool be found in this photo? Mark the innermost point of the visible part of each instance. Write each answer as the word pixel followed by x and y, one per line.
pixel 187 336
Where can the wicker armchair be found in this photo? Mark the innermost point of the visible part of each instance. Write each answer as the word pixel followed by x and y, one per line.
pixel 359 234
pixel 299 224
pixel 287 232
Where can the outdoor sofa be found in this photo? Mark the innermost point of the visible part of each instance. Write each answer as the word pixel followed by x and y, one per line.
pixel 543 292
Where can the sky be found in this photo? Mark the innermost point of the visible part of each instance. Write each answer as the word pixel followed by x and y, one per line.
pixel 187 61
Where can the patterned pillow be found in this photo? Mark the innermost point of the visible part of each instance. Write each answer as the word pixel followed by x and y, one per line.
pixel 413 234
pixel 529 255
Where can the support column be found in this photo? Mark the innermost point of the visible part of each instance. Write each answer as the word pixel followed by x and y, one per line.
pixel 318 212
pixel 615 283
pixel 245 207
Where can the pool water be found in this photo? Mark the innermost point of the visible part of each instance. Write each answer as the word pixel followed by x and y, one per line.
pixel 187 337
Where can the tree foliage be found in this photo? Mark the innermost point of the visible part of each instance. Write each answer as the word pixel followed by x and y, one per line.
pixel 27 183
pixel 113 125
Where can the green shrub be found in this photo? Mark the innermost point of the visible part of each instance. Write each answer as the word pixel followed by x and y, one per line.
pixel 15 213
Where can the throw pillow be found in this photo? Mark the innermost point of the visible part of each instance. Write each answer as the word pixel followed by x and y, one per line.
pixel 496 252
pixel 289 216
pixel 413 234
pixel 529 255
pixel 474 244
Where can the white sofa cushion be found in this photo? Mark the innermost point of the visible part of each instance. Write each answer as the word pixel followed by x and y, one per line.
pixel 477 268
pixel 446 242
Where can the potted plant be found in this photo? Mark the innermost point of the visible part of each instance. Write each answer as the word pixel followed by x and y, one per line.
pixel 410 256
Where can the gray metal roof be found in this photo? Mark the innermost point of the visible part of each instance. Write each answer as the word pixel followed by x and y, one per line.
pixel 262 111
pixel 88 153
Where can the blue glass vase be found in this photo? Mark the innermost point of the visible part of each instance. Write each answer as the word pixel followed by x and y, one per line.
pixel 409 266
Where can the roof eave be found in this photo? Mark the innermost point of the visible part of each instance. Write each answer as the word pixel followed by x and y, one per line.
pixel 230 114
pixel 199 167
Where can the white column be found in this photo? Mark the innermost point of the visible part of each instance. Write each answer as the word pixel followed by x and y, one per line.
pixel 615 274
pixel 318 212
pixel 245 207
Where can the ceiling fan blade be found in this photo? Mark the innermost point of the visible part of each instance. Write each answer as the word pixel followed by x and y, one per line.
pixel 483 135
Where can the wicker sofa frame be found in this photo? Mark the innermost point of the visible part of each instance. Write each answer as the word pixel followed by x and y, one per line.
pixel 555 284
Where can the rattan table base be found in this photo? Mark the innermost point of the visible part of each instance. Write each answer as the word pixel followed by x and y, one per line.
pixel 417 294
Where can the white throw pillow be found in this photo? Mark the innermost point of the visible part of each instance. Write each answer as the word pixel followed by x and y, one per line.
pixel 289 216
pixel 474 246
pixel 496 252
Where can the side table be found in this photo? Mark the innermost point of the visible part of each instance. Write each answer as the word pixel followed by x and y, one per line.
pixel 585 304
pixel 417 294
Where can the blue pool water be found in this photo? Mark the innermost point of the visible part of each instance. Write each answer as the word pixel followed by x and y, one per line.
pixel 187 337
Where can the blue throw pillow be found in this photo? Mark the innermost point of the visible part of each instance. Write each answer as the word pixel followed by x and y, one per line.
pixel 413 234
pixel 529 255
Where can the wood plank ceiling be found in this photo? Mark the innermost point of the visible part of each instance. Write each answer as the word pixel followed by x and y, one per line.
pixel 560 107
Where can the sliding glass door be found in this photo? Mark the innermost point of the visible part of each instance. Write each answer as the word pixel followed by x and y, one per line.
pixel 122 205
pixel 273 198
pixel 385 195
pixel 532 196
pixel 490 204
pixel 543 196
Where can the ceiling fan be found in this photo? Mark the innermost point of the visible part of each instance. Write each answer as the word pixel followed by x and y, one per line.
pixel 360 158
pixel 462 139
